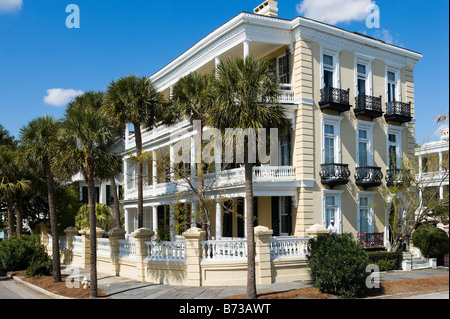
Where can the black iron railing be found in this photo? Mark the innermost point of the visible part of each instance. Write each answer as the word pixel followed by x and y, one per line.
pixel 396 177
pixel 368 176
pixel 398 111
pixel 334 174
pixel 368 105
pixel 371 240
pixel 329 94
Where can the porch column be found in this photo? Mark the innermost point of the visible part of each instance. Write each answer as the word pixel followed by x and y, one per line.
pixel 172 161
pixel 127 215
pixel 155 219
pixel 194 214
pixel 246 48
pixel 172 222
pixel 154 171
pixel 218 219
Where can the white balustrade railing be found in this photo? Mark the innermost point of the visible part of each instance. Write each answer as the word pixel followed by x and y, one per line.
pixel 103 247
pixel 288 247
pixel 127 248
pixel 166 250
pixel 286 93
pixel 224 249
pixel 77 243
pixel 236 176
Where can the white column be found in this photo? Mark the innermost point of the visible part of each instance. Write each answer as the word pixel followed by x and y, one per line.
pixel 246 48
pixel 193 165
pixel 154 171
pixel 172 222
pixel 127 215
pixel 127 134
pixel 155 219
pixel 194 214
pixel 218 220
pixel 172 161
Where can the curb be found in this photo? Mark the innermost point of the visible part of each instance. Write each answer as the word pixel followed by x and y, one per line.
pixel 45 292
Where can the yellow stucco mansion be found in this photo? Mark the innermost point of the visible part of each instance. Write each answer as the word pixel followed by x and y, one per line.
pixel 350 102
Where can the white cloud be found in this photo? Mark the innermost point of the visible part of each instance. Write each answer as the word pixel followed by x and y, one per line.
pixel 61 97
pixel 10 5
pixel 334 11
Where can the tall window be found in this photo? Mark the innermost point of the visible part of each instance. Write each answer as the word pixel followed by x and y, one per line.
pixel 392 86
pixel 330 141
pixel 365 212
pixel 363 142
pixel 328 70
pixel 394 146
pixel 362 78
pixel 285 147
pixel 283 69
pixel 285 216
pixel 363 215
pixel 330 210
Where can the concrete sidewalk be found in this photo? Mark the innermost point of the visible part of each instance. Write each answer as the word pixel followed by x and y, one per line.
pixel 123 288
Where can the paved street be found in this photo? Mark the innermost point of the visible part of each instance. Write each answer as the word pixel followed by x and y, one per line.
pixel 11 289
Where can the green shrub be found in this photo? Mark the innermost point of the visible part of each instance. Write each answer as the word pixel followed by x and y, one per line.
pixel 337 265
pixel 385 260
pixel 40 266
pixel 17 252
pixel 432 241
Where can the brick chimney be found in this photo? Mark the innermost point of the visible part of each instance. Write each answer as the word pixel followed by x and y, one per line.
pixel 268 8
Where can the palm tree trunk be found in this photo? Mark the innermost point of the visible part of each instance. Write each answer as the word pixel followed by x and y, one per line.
pixel 140 208
pixel 9 205
pixel 92 235
pixel 251 280
pixel 116 208
pixel 19 212
pixel 54 226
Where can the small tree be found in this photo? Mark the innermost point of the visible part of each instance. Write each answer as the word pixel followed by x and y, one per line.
pixel 414 200
pixel 432 241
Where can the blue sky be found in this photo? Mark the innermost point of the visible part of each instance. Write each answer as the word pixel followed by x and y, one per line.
pixel 117 38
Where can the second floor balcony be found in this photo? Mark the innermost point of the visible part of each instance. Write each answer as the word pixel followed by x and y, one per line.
pixel 369 106
pixel 225 178
pixel 368 176
pixel 398 112
pixel 334 99
pixel 334 174
pixel 396 177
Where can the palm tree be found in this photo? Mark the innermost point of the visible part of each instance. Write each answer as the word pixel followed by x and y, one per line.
pixel 88 135
pixel 135 100
pixel 247 98
pixel 193 98
pixel 441 119
pixel 39 140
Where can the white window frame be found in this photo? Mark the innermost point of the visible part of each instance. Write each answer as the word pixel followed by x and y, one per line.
pixel 398 93
pixel 333 52
pixel 368 126
pixel 397 131
pixel 337 194
pixel 371 212
pixel 334 120
pixel 278 67
pixel 367 62
pixel 131 174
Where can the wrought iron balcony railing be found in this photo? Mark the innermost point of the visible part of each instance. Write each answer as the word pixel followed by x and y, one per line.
pixel 371 240
pixel 368 105
pixel 334 174
pixel 368 176
pixel 398 112
pixel 335 99
pixel 396 177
